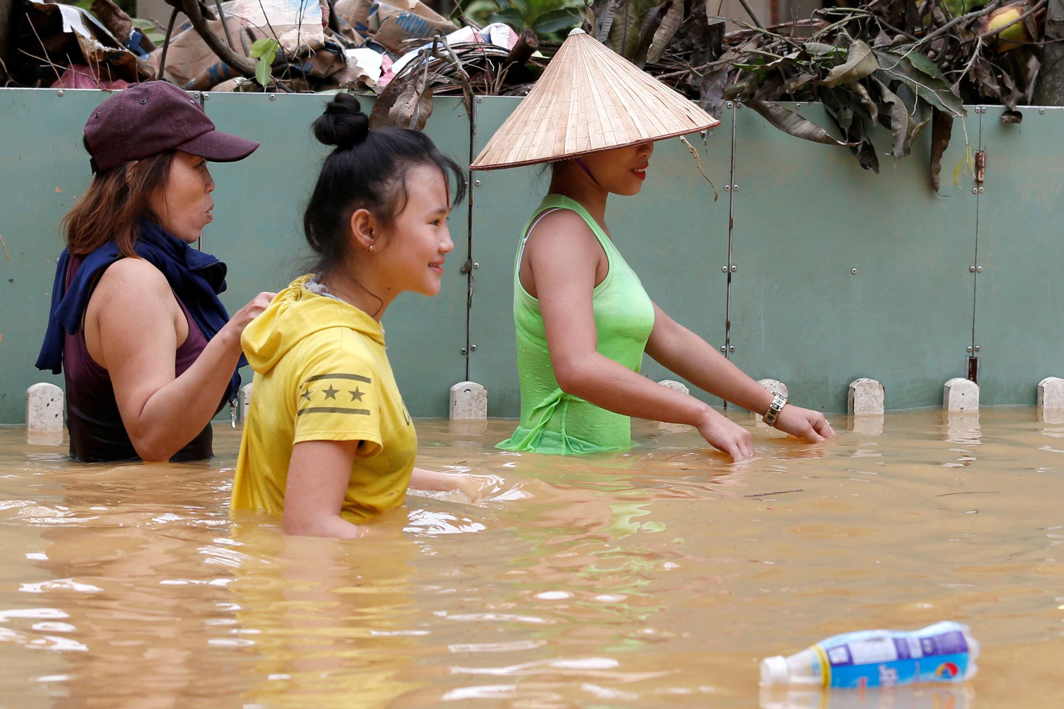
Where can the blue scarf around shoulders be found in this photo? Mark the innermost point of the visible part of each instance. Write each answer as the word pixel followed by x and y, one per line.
pixel 195 277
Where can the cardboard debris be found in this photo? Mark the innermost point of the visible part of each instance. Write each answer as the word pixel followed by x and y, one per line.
pixel 191 64
pixel 391 24
pixel 351 44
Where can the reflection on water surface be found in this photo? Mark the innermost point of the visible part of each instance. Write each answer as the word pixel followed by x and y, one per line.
pixel 655 578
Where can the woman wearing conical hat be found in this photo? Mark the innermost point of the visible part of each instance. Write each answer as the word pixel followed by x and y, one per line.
pixel 582 317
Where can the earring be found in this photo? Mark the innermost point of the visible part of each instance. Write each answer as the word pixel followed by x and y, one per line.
pixel 372 248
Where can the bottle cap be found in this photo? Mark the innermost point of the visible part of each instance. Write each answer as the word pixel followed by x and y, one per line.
pixel 774 670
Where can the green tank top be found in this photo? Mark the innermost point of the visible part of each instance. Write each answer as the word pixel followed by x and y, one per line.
pixel 551 420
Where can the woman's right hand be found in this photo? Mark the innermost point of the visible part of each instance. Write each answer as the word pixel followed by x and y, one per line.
pixel 240 319
pixel 726 435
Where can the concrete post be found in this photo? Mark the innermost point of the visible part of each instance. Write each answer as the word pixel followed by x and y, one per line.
pixel 44 414
pixel 469 402
pixel 245 402
pixel 867 424
pixel 675 386
pixel 960 396
pixel 866 398
pixel 1051 394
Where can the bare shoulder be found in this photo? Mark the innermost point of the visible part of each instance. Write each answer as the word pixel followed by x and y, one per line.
pixel 132 287
pixel 133 278
pixel 562 230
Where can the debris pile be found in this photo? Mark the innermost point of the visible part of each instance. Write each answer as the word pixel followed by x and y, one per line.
pixel 902 64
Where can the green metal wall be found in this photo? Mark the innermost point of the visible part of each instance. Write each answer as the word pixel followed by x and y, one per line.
pixel 804 267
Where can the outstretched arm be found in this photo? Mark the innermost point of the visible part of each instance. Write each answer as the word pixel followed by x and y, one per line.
pixel 563 258
pixel 685 353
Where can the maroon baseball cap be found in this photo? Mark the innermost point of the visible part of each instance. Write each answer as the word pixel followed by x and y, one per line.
pixel 149 118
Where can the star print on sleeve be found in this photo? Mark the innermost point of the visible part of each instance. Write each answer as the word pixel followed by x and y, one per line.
pixel 309 402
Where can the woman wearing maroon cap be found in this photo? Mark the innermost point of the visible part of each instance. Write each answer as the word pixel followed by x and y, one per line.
pixel 150 352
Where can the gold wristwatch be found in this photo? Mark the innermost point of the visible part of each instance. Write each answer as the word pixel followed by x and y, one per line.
pixel 773 413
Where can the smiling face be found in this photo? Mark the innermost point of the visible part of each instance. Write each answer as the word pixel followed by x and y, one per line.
pixel 411 250
pixel 620 170
pixel 184 204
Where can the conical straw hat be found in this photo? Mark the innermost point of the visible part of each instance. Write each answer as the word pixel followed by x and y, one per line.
pixel 589 98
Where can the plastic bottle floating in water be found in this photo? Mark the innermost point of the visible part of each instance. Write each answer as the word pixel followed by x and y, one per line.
pixel 926 696
pixel 943 652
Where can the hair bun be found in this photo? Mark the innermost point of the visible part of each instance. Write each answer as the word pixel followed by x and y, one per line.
pixel 343 124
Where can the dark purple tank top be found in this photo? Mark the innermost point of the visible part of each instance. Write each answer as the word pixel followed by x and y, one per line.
pixel 96 430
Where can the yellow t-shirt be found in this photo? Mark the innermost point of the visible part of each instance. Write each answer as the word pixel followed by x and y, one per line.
pixel 322 374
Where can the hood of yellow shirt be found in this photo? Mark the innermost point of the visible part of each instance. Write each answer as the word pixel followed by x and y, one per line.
pixel 294 314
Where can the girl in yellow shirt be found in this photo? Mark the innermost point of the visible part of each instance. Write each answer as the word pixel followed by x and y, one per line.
pixel 328 442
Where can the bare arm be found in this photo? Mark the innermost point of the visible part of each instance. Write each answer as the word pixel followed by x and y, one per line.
pixel 685 353
pixel 563 257
pixel 472 486
pixel 318 475
pixel 681 351
pixel 133 315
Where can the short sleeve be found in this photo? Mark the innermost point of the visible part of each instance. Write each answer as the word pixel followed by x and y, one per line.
pixel 338 398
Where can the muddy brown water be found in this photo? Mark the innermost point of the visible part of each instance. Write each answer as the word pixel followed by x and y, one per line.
pixel 654 578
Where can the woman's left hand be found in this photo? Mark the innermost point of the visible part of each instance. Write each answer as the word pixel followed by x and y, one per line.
pixel 806 424
pixel 476 487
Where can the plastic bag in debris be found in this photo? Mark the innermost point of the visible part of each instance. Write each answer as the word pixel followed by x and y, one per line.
pixel 497 33
pixel 298 24
pixel 389 24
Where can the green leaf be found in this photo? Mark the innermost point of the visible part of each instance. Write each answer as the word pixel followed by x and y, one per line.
pixel 935 91
pixel 262 73
pixel 819 49
pixel 555 21
pixel 481 10
pixel 860 62
pixel 510 16
pixel 922 63
pixel 263 47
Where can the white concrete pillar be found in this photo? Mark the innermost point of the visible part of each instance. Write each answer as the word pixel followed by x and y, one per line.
pixel 866 397
pixel 867 424
pixel 44 414
pixel 469 401
pixel 471 430
pixel 675 386
pixel 963 427
pixel 1051 394
pixel 245 402
pixel 1051 400
pixel 960 395
pixel 773 386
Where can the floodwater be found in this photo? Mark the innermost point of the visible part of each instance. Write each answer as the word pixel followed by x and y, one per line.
pixel 657 578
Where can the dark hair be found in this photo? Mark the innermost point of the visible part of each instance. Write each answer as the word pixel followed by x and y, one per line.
pixel 367 170
pixel 113 204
